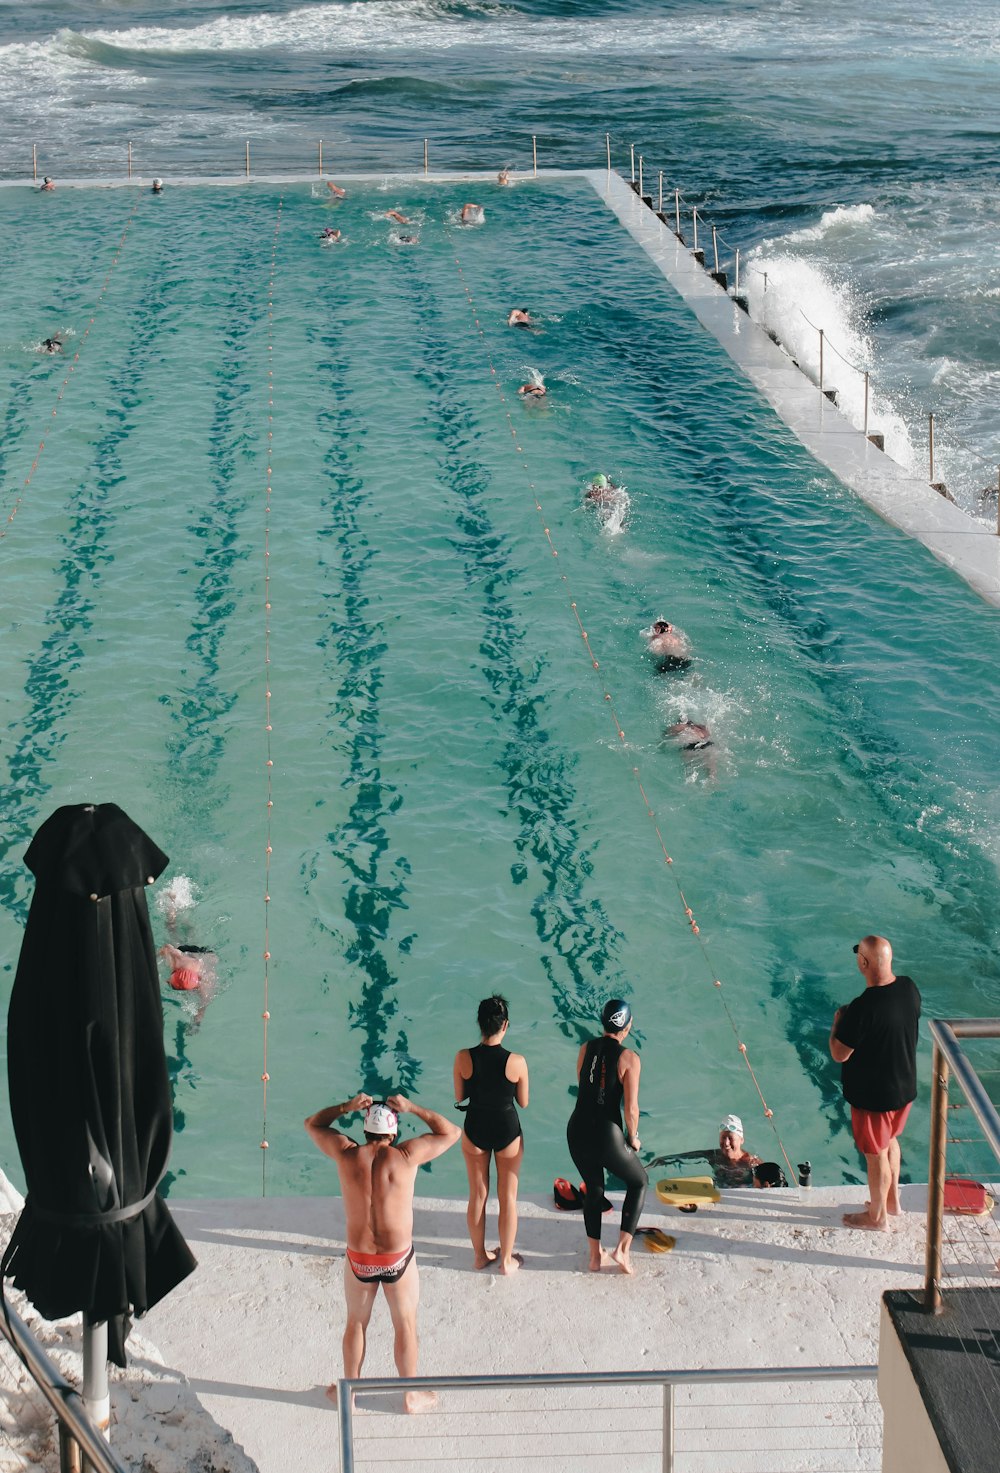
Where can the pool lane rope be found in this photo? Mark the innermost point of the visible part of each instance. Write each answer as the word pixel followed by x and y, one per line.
pixel 268 758
pixel 610 704
pixel 15 508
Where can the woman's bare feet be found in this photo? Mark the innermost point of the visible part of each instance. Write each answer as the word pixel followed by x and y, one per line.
pixel 513 1263
pixel 622 1255
pixel 600 1259
pixel 862 1220
pixel 332 1395
pixel 420 1401
pixel 488 1256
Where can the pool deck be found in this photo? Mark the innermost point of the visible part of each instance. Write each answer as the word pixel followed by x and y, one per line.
pixel 250 1341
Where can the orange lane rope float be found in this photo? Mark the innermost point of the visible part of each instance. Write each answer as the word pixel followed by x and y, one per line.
pixel 609 702
pixel 15 508
pixel 268 758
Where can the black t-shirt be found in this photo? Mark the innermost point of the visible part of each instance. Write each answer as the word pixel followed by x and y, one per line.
pixel 881 1027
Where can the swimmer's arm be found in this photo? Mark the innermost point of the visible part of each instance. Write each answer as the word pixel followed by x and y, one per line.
pixel 838 1051
pixel 443 1135
pixel 462 1058
pixel 630 1082
pixel 579 1061
pixel 331 1142
pixel 519 1078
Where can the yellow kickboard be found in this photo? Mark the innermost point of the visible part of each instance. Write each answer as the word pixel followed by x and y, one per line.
pixel 688 1192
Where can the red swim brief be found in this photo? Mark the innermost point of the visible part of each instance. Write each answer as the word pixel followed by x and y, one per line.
pixel 874 1129
pixel 379 1268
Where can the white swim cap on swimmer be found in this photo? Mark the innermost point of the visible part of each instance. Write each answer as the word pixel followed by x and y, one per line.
pixel 733 1124
pixel 380 1120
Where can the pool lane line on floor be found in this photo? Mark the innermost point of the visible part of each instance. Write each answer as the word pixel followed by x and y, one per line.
pixel 609 701
pixel 71 370
pixel 906 501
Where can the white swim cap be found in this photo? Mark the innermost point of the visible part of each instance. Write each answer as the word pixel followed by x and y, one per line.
pixel 733 1124
pixel 380 1120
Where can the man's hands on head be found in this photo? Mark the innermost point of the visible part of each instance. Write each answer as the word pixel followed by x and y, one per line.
pixel 400 1104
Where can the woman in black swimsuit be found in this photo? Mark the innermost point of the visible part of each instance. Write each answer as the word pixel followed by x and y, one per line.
pixel 608 1076
pixel 491 1079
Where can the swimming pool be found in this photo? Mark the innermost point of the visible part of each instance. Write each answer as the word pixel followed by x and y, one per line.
pixel 453 809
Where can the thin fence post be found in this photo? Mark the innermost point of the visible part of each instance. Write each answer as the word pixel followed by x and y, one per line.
pixel 248 158
pixel 425 155
pixel 821 360
pixel 998 501
pixel 715 250
pixel 34 162
pixel 607 145
pixel 640 176
pixel 632 149
pixel 321 157
pixel 936 1173
pixel 534 155
pixel 764 274
pixel 930 443
pixel 659 208
pixel 736 288
pixel 866 401
pixel 130 158
pixel 677 213
pixel 668 1427
pixel 694 217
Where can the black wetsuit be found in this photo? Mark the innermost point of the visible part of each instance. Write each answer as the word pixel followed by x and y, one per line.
pixel 491 1122
pixel 596 1141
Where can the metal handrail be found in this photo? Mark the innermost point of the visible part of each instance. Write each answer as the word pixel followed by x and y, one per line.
pixel 75 1427
pixel 949 1058
pixel 668 1380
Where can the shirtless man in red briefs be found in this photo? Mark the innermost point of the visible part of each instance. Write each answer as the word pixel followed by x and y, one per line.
pixel 377 1181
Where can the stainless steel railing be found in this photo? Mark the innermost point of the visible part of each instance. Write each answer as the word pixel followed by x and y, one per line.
pixel 949 1058
pixel 667 1380
pixel 76 1431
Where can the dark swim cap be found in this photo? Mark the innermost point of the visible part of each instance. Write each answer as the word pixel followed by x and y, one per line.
pixel 616 1015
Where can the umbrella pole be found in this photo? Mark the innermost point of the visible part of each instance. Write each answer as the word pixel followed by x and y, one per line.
pixel 96 1397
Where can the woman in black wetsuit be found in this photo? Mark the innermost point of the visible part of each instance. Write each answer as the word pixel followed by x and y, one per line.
pixel 491 1079
pixel 608 1074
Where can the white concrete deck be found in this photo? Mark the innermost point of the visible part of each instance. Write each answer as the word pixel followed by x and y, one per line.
pixel 967 546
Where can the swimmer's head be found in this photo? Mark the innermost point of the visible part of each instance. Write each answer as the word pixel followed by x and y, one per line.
pixel 616 1015
pixel 600 481
pixel 157 186
pixel 732 1125
pixel 661 626
pixel 381 1123
pixel 494 1013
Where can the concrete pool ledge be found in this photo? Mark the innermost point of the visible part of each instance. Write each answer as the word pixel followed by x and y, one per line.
pixel 966 545
pixel 249 1342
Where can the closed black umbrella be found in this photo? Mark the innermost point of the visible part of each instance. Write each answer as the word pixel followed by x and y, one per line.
pixel 89 1090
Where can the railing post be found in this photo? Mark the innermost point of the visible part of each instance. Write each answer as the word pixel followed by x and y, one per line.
pixel 866 401
pixel 345 1409
pixel 534 155
pixel 659 207
pixel 930 444
pixel 640 176
pixel 935 1174
pixel 632 148
pixel 248 158
pixel 715 250
pixel 425 155
pixel 69 1451
pixel 677 213
pixel 821 360
pixel 130 158
pixel 34 162
pixel 607 145
pixel 321 158
pixel 668 1427
pixel 694 217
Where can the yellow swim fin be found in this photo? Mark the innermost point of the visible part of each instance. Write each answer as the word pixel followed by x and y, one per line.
pixel 657 1241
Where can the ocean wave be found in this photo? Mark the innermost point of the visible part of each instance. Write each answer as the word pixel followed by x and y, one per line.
pixel 841 219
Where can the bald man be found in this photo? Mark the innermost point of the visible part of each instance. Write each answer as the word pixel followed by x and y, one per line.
pixel 874 1039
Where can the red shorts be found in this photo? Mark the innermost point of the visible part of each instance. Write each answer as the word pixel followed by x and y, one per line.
pixel 874 1129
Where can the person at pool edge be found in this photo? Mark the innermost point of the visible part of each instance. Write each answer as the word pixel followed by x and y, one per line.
pixel 874 1039
pixel 608 1077
pixel 377 1181
pixel 491 1079
pixel 732 1164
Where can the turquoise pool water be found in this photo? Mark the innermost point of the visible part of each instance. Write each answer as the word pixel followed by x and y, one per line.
pixel 453 809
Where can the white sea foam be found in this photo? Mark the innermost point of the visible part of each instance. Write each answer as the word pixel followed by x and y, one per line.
pixel 840 220
pixel 180 893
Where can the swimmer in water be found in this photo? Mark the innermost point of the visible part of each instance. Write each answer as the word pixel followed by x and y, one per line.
pixel 668 645
pixel 399 219
pixel 532 391
pixel 328 235
pixel 335 189
pixel 47 185
pixel 52 345
pixel 192 969
pixel 473 215
pixel 157 186
pixel 691 736
pixel 503 177
pixel 603 491
pixel 518 317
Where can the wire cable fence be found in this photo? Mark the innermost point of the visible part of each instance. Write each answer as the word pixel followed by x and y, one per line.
pixel 780 1420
